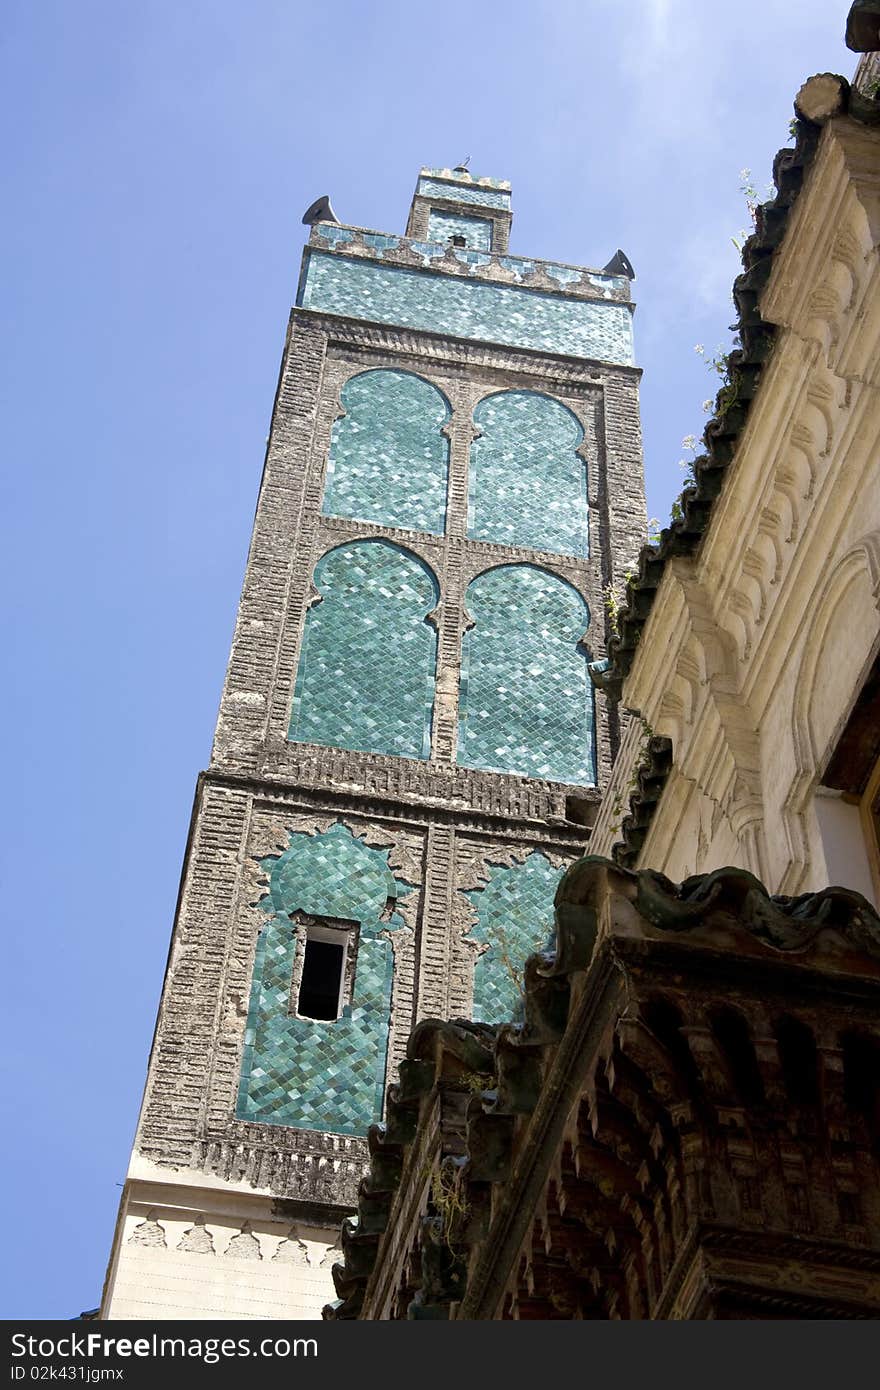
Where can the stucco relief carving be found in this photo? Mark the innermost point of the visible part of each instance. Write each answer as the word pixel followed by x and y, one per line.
pixel 798 472
pixel 197 1239
pixel 826 267
pixel 244 1245
pixel 831 639
pixel 149 1232
pixel 771 531
pixel 758 567
pixel 701 708
pixel 292 1250
pixel 745 602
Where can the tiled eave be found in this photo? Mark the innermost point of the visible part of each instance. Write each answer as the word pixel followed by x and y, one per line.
pixel 650 778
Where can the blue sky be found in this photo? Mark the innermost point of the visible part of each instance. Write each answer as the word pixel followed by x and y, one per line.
pixel 161 156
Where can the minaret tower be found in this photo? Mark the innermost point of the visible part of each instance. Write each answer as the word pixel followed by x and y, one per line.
pixel 408 752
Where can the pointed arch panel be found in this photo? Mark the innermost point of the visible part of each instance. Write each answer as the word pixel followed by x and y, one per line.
pixel 514 920
pixel 367 666
pixel 389 461
pixel 327 1075
pixel 526 703
pixel 527 482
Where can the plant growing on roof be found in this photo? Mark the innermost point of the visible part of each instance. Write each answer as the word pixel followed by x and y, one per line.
pixel 448 1199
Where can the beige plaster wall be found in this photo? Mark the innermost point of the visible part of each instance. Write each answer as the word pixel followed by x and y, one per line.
pixel 202 1254
pixel 756 648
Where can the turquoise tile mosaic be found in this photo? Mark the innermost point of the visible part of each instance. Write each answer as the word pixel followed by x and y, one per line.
pixel 517 264
pixel 515 919
pixel 477 232
pixel 366 669
pixel 336 236
pixel 388 461
pixel 381 241
pixel 428 250
pixel 467 177
pixel 465 193
pixel 527 485
pixel 526 703
pixel 544 322
pixel 296 1071
pixel 472 257
pixel 565 274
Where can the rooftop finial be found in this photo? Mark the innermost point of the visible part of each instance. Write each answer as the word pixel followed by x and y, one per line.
pixel 319 211
pixel 462 168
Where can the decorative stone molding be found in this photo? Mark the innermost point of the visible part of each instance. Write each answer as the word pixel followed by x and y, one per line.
pixel 854 584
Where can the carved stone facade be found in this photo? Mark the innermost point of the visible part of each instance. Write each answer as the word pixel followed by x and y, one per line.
pixel 685 1126
pixel 757 618
pixel 224 1139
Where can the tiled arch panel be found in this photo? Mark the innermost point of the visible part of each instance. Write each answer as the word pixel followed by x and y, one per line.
pixel 367 665
pixel 388 461
pixel 527 481
pixel 526 703
pixel 514 920
pixel 329 1075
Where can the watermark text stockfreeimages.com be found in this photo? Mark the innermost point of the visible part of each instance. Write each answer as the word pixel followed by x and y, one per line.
pixel 27 1349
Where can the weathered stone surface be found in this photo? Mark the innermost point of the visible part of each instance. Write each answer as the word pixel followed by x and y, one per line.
pixel 443 824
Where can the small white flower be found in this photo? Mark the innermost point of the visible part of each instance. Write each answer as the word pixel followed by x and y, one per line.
pixel 699 349
pixel 707 405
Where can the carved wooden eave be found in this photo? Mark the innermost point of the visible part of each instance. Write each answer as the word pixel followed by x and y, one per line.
pixel 685 1126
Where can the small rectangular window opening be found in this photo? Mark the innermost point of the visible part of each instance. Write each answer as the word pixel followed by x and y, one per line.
pixel 323 976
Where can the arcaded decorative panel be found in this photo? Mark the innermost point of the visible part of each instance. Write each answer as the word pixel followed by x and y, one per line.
pixel 526 704
pixel 465 308
pixel 514 920
pixel 388 460
pixel 477 232
pixel 366 670
pixel 527 484
pixel 465 193
pixel 304 1072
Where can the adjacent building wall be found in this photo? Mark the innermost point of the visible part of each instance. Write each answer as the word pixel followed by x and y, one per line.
pixel 756 650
